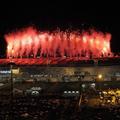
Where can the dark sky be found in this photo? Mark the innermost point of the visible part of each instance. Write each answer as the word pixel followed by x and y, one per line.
pixel 50 15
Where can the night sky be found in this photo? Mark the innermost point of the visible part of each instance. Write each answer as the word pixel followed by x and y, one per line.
pixel 50 15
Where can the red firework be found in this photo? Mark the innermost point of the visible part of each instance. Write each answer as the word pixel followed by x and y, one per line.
pixel 31 42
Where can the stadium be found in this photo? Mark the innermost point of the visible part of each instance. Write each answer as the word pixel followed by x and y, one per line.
pixel 32 47
pixel 71 50
pixel 59 56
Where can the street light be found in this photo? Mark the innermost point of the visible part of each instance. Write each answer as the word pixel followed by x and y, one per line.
pixel 99 80
pixel 100 76
pixel 11 87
